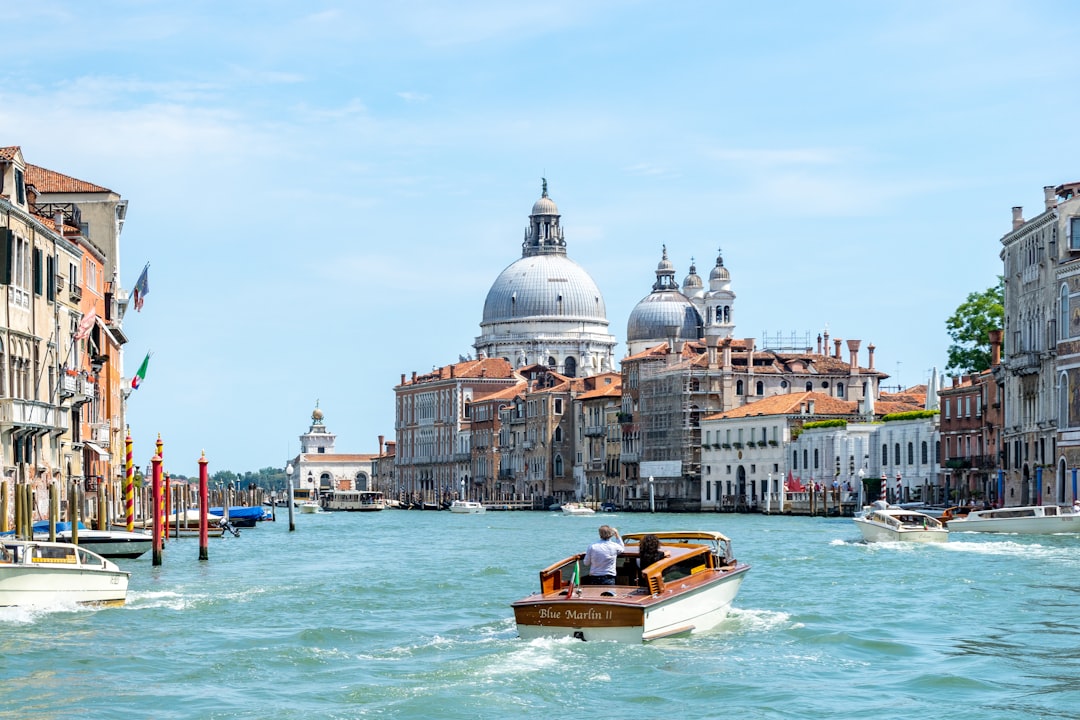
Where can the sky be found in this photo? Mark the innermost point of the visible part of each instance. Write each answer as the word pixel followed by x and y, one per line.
pixel 326 191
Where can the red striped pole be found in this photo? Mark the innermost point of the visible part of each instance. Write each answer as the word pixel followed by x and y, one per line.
pixel 129 484
pixel 156 465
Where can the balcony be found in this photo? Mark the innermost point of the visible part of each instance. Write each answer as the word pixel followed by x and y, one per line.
pixel 1026 363
pixel 99 433
pixel 595 430
pixel 462 457
pixel 528 444
pixel 75 292
pixel 30 413
pixel 594 465
pixel 69 385
pixel 629 457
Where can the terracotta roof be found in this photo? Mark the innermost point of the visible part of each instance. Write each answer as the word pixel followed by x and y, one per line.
pixel 494 368
pixel 8 153
pixel 613 390
pixel 505 393
pixel 791 404
pixel 51 181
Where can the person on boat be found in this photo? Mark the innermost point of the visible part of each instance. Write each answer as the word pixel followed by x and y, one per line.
pixel 649 552
pixel 601 556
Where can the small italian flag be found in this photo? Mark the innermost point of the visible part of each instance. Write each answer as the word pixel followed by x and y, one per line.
pixel 141 374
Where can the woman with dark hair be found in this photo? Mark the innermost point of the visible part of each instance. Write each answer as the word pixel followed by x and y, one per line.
pixel 649 551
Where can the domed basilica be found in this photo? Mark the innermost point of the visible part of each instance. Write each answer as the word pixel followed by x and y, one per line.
pixel 544 308
pixel 689 313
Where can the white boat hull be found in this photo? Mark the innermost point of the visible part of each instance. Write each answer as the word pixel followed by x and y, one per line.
pixel 874 532
pixel 309 508
pixel 1028 520
pixel 48 574
pixel 466 507
pixel 108 543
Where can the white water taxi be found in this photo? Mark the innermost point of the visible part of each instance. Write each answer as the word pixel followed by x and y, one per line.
pixel 888 523
pixel 40 573
pixel 353 500
pixel 577 509
pixel 466 507
pixel 1028 519
pixel 690 590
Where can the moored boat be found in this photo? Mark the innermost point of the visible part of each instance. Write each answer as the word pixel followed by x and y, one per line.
pixel 882 522
pixel 466 507
pixel 690 590
pixel 1026 519
pixel 243 516
pixel 107 543
pixel 40 573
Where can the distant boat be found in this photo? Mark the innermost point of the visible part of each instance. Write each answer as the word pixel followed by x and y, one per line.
pixel 310 507
pixel 888 523
pixel 576 509
pixel 107 543
pixel 353 500
pixel 40 573
pixel 466 507
pixel 242 515
pixel 1027 519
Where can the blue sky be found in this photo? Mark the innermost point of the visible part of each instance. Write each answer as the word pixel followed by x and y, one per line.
pixel 326 191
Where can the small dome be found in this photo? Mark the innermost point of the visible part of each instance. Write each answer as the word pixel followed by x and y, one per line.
pixel 545 206
pixel 692 286
pixel 658 312
pixel 317 415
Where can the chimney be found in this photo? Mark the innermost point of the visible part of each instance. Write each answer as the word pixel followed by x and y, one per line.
pixel 810 406
pixel 414 376
pixel 1018 217
pixel 58 220
pixel 381 439
pixel 995 347
pixel 853 350
pixel 710 348
pixel 751 345
pixel 1049 198
pixel 870 361
pixel 824 349
pixel 955 381
pixel 836 348
pixel 452 372
pixel 819 344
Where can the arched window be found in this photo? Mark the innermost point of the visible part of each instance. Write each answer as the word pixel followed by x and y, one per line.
pixel 570 367
pixel 739 387
pixel 925 452
pixel 839 390
pixel 760 388
pixel 896 454
pixel 558 466
pixel 558 433
pixel 795 460
pixel 809 386
pixel 805 464
pixel 551 363
pixel 911 453
pixel 884 454
pixel 817 459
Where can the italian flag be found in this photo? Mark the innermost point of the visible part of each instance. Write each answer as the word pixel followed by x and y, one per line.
pixel 141 374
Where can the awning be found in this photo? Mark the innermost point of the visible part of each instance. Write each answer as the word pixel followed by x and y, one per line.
pixel 101 452
pixel 116 335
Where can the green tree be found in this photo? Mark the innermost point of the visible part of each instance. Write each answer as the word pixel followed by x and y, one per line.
pixel 970 326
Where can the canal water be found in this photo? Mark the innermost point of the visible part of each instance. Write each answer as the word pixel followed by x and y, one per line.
pixel 406 614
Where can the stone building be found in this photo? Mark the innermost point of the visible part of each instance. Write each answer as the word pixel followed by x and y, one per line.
pixel 320 470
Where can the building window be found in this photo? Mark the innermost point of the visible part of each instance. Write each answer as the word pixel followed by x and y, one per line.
pixel 739 387
pixel 884 454
pixel 911 453
pixel 1064 330
pixel 925 452
pixel 1074 232
pixel 760 388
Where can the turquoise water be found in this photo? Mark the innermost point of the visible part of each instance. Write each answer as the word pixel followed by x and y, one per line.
pixel 405 614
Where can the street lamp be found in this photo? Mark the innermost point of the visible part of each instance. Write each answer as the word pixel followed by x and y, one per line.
pixel 862 500
pixel 289 497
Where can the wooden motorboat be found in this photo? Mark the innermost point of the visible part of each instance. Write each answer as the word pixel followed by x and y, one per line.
pixel 40 573
pixel 882 522
pixel 466 507
pixel 688 591
pixel 1027 519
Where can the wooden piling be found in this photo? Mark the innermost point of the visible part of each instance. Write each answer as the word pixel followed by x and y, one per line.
pixel 204 509
pixel 157 519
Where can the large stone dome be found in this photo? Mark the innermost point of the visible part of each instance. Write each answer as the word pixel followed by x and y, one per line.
pixel 542 287
pixel 544 308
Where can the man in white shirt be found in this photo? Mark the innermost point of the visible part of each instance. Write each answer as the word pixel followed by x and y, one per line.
pixel 601 556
